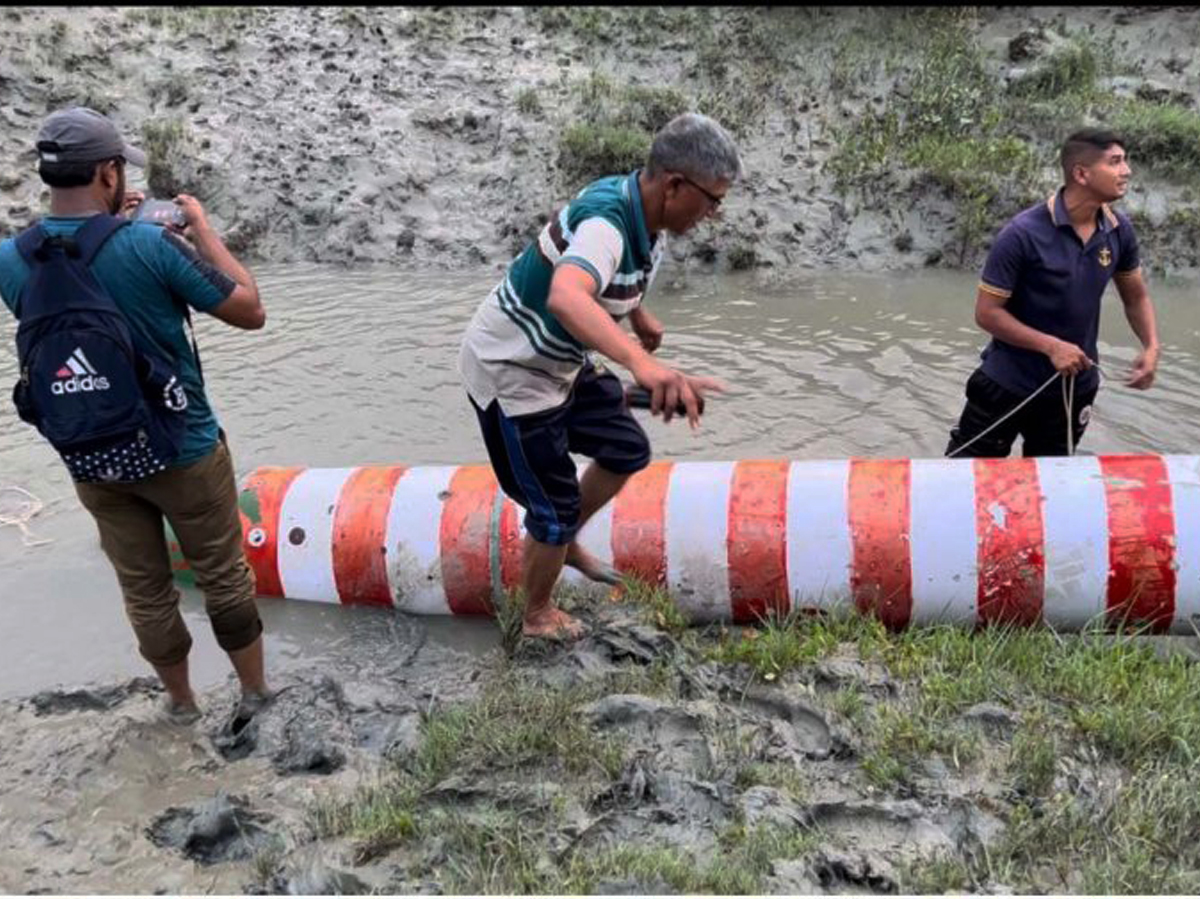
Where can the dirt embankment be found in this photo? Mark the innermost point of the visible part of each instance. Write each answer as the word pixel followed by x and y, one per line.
pixel 443 137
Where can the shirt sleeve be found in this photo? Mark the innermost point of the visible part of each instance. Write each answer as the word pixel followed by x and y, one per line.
pixel 1003 266
pixel 201 285
pixel 1130 260
pixel 596 247
pixel 13 273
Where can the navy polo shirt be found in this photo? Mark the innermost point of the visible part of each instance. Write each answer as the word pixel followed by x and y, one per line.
pixel 1053 282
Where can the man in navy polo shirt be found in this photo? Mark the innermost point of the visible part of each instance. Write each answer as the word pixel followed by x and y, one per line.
pixel 1039 298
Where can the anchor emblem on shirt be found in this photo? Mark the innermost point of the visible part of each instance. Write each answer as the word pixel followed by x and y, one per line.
pixel 1105 257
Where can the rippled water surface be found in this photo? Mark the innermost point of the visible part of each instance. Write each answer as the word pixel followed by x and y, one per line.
pixel 358 366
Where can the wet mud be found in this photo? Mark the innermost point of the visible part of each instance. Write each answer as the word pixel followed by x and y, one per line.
pixel 99 795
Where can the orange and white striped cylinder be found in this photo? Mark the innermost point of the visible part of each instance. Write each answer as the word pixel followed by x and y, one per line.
pixel 1067 541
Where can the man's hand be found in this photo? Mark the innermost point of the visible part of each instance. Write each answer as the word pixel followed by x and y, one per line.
pixel 133 199
pixel 193 213
pixel 1141 376
pixel 670 388
pixel 648 329
pixel 1067 358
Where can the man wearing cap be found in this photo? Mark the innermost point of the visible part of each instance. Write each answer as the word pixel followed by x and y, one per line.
pixel 149 271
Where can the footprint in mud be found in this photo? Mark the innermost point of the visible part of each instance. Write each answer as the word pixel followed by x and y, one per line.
pixel 60 702
pixel 905 828
pixel 310 727
pixel 794 730
pixel 222 829
pixel 675 735
pixel 832 872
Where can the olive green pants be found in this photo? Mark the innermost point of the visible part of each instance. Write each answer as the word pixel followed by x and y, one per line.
pixel 200 502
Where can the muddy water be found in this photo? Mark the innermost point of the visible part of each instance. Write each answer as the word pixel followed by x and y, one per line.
pixel 358 367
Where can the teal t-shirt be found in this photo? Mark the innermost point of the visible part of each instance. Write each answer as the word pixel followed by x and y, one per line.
pixel 149 273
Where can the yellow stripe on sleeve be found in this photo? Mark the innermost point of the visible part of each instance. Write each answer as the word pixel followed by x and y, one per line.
pixel 994 291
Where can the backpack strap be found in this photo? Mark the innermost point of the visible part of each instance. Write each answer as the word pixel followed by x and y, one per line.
pixel 85 243
pixel 94 232
pixel 30 241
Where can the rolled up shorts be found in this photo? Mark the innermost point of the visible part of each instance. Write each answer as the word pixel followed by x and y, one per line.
pixel 530 454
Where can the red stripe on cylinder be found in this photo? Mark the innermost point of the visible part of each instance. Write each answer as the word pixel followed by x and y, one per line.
pixel 1011 541
pixel 757 539
pixel 511 545
pixel 261 501
pixel 360 535
pixel 639 541
pixel 1141 541
pixel 878 504
pixel 465 540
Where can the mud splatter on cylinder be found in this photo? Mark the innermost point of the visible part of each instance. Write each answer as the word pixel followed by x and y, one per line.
pixel 1067 541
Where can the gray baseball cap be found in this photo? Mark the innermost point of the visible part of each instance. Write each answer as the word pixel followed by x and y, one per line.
pixel 83 135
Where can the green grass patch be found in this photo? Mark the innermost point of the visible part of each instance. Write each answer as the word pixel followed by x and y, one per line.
pixel 740 866
pixel 1140 842
pixel 902 736
pixel 527 102
pixel 587 152
pixel 798 639
pixel 214 19
pixel 1114 691
pixel 781 776
pixel 165 141
pixel 614 127
pixel 656 605
pixel 513 726
pixel 1163 136
pixel 1070 69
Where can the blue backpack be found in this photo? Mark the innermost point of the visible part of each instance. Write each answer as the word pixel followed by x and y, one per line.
pixel 113 412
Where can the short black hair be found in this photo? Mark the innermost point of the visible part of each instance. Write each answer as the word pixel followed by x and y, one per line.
pixel 71 174
pixel 1085 146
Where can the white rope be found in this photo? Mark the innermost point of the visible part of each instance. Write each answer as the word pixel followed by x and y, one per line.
pixel 1068 389
pixel 1068 392
pixel 1008 415
pixel 22 512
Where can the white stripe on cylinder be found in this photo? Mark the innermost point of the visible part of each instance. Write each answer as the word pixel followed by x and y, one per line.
pixel 305 535
pixel 414 553
pixel 819 548
pixel 1075 516
pixel 595 537
pixel 697 527
pixel 1184 474
pixel 942 542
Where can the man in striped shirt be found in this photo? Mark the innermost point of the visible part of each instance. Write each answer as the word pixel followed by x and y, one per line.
pixel 524 358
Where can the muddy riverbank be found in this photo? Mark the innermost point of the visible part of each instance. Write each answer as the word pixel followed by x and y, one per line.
pixel 648 758
pixel 874 139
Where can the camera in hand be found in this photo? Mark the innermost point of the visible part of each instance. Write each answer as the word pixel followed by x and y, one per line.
pixel 160 212
pixel 639 398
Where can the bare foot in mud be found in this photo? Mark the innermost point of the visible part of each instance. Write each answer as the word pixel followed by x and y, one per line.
pixel 554 625
pixel 592 568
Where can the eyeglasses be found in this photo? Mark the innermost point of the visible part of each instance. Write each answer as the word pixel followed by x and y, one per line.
pixel 712 198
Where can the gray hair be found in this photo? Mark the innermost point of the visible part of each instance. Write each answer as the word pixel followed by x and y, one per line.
pixel 696 146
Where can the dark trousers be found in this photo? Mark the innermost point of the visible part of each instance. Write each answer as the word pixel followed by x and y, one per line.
pixel 200 501
pixel 1041 423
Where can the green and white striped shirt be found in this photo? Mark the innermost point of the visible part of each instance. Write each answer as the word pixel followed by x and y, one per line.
pixel 514 350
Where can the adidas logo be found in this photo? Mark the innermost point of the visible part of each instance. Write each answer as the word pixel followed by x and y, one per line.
pixel 76 375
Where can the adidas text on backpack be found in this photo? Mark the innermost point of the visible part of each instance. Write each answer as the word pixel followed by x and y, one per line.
pixel 113 413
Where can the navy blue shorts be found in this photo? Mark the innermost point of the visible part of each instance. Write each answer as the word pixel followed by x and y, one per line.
pixel 530 453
